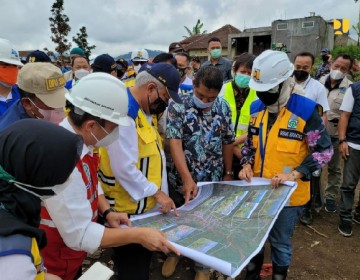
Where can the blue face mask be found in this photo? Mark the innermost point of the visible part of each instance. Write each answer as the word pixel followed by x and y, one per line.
pixel 241 80
pixel 215 53
pixel 201 105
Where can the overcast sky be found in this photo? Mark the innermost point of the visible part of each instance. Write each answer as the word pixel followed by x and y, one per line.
pixel 119 26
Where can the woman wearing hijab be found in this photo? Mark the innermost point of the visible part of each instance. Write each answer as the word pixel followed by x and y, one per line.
pixel 35 157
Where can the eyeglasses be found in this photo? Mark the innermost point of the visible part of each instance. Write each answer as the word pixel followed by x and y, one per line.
pixel 136 63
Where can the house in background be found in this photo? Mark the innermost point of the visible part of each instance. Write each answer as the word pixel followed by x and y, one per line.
pixel 196 45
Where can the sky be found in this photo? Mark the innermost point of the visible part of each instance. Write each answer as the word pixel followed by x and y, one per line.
pixel 120 26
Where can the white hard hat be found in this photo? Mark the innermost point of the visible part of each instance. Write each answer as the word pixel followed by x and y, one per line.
pixel 140 55
pixel 269 69
pixel 8 54
pixel 103 96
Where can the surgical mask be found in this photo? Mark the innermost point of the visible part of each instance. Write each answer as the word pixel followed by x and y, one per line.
pixel 301 75
pixel 215 53
pixel 108 139
pixel 54 116
pixel 8 75
pixel 158 106
pixel 268 97
pixel 202 105
pixel 81 73
pixel 241 80
pixel 182 71
pixel 137 68
pixel 336 74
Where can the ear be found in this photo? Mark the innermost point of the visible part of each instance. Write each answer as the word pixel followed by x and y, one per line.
pixel 151 87
pixel 89 125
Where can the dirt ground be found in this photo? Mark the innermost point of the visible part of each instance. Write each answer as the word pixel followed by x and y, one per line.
pixel 320 252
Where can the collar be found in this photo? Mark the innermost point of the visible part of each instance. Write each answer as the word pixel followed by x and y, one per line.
pixel 86 149
pixel 8 97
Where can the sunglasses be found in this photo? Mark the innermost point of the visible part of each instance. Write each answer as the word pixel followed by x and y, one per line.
pixel 136 63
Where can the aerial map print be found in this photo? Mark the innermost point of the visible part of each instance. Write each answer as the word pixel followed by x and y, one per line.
pixel 225 225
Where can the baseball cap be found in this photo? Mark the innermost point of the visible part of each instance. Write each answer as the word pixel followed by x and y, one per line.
pixel 196 59
pixel 104 63
pixel 8 54
pixel 167 75
pixel 38 56
pixel 78 51
pixel 325 51
pixel 140 55
pixel 175 47
pixel 44 80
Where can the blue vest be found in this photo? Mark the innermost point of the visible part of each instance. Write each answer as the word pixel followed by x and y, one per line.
pixel 353 129
pixel 4 105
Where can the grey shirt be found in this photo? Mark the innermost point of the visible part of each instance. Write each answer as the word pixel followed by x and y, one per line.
pixel 224 65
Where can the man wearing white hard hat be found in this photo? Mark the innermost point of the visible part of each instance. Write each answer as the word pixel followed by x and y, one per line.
pixel 138 58
pixel 98 106
pixel 9 63
pixel 287 141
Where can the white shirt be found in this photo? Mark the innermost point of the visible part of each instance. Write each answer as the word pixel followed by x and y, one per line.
pixel 15 267
pixel 347 105
pixel 71 211
pixel 315 91
pixel 8 97
pixel 123 155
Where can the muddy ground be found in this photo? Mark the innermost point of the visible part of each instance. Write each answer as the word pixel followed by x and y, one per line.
pixel 320 252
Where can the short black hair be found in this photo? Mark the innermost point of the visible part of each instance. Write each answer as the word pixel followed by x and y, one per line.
pixel 244 59
pixel 210 77
pixel 184 54
pixel 306 54
pixel 79 119
pixel 165 58
pixel 214 39
pixel 345 56
pixel 73 60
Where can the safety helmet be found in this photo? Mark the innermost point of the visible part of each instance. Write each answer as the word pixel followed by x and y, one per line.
pixel 270 68
pixel 103 96
pixel 8 54
pixel 139 55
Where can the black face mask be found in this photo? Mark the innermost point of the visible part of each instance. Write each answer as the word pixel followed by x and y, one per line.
pixel 158 106
pixel 301 75
pixel 268 98
pixel 325 58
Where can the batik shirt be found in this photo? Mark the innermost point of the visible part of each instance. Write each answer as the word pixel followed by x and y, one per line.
pixel 203 136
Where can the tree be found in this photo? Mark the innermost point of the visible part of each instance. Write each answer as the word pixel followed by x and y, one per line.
pixel 196 29
pixel 60 28
pixel 357 30
pixel 81 40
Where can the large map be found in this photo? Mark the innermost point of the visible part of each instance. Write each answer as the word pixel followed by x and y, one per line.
pixel 225 225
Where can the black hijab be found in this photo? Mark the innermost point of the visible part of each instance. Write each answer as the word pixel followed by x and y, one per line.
pixel 36 153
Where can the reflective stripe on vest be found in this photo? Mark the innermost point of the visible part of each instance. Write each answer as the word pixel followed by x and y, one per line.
pixel 149 163
pixel 23 245
pixel 244 118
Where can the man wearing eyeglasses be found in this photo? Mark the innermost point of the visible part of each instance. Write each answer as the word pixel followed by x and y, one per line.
pixel 132 170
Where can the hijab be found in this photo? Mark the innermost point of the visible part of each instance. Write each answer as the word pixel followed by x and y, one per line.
pixel 37 153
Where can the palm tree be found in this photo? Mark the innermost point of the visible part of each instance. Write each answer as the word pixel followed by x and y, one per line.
pixel 196 29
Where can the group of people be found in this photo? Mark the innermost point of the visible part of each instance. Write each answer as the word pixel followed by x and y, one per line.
pixel 83 151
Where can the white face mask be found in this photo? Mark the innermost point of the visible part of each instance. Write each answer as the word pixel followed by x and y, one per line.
pixel 108 139
pixel 46 192
pixel 337 75
pixel 137 68
pixel 81 73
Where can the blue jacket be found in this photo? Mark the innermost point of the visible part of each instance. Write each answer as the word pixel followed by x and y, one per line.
pixel 4 105
pixel 14 113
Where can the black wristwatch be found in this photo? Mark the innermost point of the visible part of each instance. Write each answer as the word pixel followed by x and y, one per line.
pixel 342 141
pixel 107 211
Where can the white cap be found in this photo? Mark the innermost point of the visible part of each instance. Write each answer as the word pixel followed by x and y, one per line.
pixel 139 55
pixel 8 54
pixel 270 69
pixel 101 95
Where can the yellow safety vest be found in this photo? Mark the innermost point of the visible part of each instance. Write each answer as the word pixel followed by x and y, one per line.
pixel 21 244
pixel 284 148
pixel 149 163
pixel 244 118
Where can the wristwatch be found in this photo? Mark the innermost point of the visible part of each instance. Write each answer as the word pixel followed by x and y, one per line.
pixel 229 173
pixel 107 211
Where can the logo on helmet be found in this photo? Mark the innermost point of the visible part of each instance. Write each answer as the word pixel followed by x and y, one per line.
pixel 14 53
pixel 256 74
pixel 139 54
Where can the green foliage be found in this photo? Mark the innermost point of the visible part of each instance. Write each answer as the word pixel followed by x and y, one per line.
pixel 81 40
pixel 60 28
pixel 196 29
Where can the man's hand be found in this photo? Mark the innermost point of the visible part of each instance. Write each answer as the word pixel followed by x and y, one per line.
pixel 155 240
pixel 246 173
pixel 344 150
pixel 115 219
pixel 166 202
pixel 190 190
